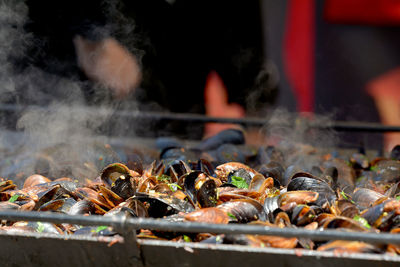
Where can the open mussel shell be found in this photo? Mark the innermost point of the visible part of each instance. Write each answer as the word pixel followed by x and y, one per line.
pixel 158 207
pixel 364 197
pixel 387 171
pixel 51 193
pixel 7 185
pixel 345 208
pixel 341 246
pixel 208 215
pixel 85 207
pixel 272 205
pixel 315 185
pixel 244 210
pixel 201 189
pixel 224 170
pixel 346 174
pixel 124 187
pixel 176 169
pixel 113 172
pixel 395 153
pixel 6 205
pixel 302 215
pixel 130 208
pixel 204 166
pixel 242 173
pixel 35 180
pixel 345 223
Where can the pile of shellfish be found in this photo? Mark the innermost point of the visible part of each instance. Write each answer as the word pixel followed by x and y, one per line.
pixel 221 181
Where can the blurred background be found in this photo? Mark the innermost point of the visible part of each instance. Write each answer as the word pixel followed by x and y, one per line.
pixel 327 60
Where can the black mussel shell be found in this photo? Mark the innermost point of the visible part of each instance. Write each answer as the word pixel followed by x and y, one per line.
pixel 124 187
pixel 387 171
pixel 271 204
pixel 345 223
pixel 395 153
pixel 302 215
pixel 230 136
pixel 347 208
pixel 229 153
pixel 177 168
pixel 114 171
pixel 200 189
pixel 207 194
pixel 158 207
pixel 244 210
pixel 393 190
pixel 163 143
pixel 85 207
pixel 288 174
pixel 204 166
pixel 364 197
pixel 315 185
pixel 359 161
pixel 189 184
pixel 273 169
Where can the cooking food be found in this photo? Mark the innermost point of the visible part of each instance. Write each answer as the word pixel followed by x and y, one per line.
pixel 221 181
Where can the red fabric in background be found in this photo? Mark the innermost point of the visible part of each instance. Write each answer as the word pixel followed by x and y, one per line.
pixel 373 12
pixel 299 51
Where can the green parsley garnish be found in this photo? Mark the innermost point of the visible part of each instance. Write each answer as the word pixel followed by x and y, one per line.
pixel 398 198
pixel 232 216
pixel 174 187
pixel 40 227
pixel 362 220
pixel 374 168
pixel 239 182
pixel 164 178
pixel 13 198
pixel 101 228
pixel 186 238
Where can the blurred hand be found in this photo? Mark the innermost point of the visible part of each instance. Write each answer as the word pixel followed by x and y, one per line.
pixel 386 93
pixel 108 63
pixel 216 104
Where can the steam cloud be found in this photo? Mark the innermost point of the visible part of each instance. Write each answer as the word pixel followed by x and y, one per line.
pixel 56 137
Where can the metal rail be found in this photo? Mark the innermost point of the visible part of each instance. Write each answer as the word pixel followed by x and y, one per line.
pixel 126 224
pixel 352 126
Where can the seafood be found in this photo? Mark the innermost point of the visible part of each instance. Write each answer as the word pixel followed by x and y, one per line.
pixel 219 182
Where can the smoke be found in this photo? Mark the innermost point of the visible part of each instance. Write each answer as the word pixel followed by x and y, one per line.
pixel 55 136
pixel 296 135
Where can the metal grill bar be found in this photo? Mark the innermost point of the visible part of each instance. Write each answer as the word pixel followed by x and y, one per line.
pixel 184 227
pixel 352 126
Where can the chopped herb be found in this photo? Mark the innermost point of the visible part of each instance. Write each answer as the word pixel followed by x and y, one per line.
pixel 398 197
pixel 186 238
pixel 344 195
pixel 40 227
pixel 239 182
pixel 218 238
pixel 374 168
pixel 101 228
pixel 13 198
pixel 174 187
pixel 362 220
pixel 164 178
pixel 232 216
